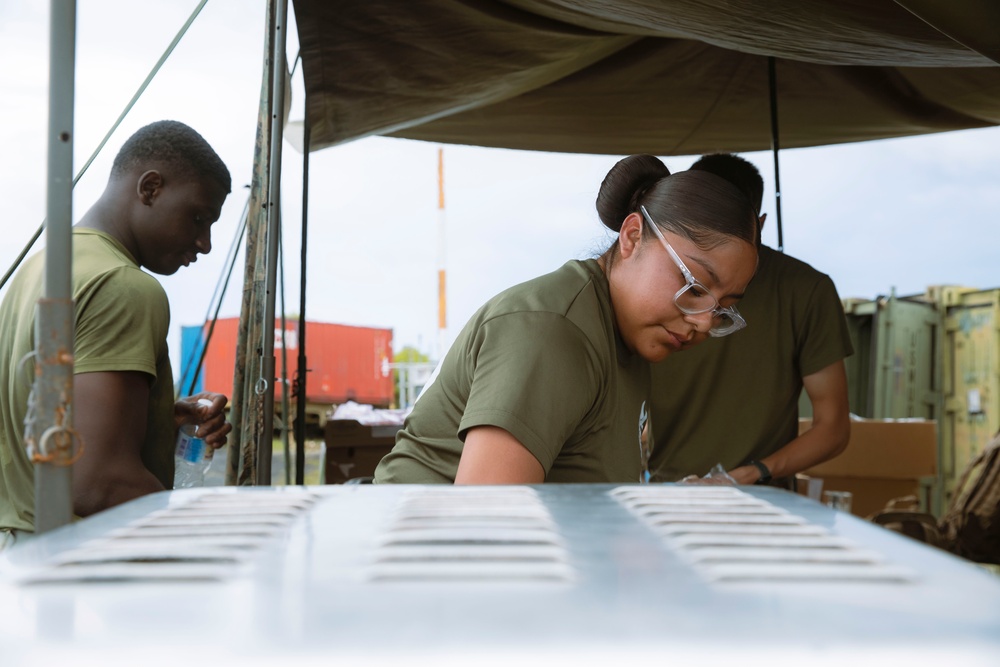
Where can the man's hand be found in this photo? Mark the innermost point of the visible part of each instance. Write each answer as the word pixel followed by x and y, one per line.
pixel 207 410
pixel 717 476
pixel 745 474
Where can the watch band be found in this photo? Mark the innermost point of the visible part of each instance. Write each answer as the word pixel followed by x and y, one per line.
pixel 765 473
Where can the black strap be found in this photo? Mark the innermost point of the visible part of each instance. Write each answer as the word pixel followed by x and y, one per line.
pixel 765 472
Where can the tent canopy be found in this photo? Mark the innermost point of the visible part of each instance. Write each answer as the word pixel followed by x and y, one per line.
pixel 668 77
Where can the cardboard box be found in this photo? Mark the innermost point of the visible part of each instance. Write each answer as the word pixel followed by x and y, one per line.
pixel 885 459
pixel 883 448
pixel 354 449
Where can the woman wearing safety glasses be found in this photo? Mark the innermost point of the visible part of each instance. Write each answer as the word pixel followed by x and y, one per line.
pixel 548 380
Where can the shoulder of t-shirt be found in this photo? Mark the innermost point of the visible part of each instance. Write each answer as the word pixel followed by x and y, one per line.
pixel 139 279
pixel 554 292
pixel 787 267
pixel 127 284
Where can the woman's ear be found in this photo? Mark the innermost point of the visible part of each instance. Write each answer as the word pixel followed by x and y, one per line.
pixel 630 235
pixel 148 186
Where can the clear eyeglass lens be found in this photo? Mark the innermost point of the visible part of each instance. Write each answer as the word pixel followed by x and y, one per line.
pixel 722 320
pixel 694 299
pixel 725 323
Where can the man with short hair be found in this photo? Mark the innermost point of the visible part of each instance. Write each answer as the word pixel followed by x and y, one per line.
pixel 734 400
pixel 166 188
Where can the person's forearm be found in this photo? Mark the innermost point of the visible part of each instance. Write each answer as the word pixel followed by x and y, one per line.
pixel 820 443
pixel 826 437
pixel 92 496
pixel 111 418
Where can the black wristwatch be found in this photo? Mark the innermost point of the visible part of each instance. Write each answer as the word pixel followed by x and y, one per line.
pixel 765 473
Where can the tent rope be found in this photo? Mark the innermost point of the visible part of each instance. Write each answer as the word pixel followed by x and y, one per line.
pixel 212 317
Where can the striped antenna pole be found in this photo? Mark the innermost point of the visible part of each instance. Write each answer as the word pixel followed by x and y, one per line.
pixel 442 291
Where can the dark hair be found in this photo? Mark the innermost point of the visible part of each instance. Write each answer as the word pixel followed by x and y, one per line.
pixel 169 142
pixel 624 187
pixel 736 170
pixel 698 205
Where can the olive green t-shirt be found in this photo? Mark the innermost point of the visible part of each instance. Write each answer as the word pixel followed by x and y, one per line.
pixel 543 361
pixel 121 322
pixel 734 399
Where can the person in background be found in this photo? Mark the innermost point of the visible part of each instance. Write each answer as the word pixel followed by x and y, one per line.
pixel 548 381
pixel 166 188
pixel 734 401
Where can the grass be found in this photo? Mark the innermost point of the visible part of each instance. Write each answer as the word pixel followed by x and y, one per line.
pixel 314 458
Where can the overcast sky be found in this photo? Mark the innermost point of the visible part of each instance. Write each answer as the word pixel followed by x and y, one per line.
pixel 903 214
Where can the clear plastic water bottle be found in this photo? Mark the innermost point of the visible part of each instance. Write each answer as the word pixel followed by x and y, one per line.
pixel 192 457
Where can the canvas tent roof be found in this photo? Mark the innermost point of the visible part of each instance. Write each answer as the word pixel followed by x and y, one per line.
pixel 669 77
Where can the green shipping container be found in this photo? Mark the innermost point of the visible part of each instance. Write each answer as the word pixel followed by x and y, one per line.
pixel 971 365
pixel 892 373
pixel 934 356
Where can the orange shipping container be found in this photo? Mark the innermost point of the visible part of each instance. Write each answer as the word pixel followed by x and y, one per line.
pixel 345 362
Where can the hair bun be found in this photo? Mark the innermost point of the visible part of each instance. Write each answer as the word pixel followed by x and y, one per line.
pixel 624 186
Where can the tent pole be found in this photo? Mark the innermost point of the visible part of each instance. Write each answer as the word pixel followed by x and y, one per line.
pixel 49 435
pixel 246 414
pixel 300 373
pixel 772 84
pixel 285 402
pixel 265 444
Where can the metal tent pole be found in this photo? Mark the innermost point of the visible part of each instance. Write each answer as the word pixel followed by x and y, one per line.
pixel 50 432
pixel 302 371
pixel 279 67
pixel 285 402
pixel 246 414
pixel 772 84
